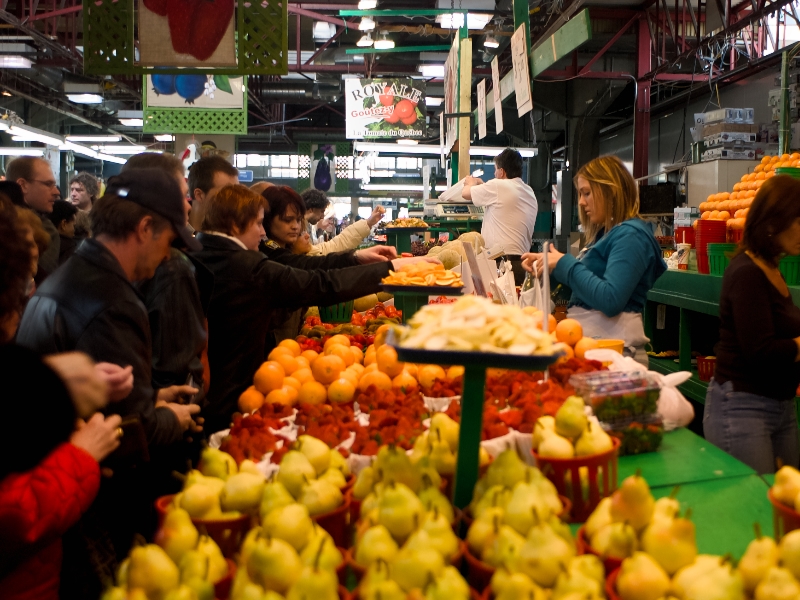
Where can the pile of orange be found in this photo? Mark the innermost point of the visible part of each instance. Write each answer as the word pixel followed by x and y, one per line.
pixel 569 333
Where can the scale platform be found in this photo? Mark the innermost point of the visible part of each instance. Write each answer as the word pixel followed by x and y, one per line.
pixel 458 211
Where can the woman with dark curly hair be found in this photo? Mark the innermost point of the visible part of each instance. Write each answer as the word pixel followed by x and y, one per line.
pixel 16 268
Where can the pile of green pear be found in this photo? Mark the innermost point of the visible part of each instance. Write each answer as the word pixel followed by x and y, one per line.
pixel 440 444
pixel 786 488
pixel 537 577
pixel 570 433
pixel 181 565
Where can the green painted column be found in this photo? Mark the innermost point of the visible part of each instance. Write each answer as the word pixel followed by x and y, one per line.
pixel 469 439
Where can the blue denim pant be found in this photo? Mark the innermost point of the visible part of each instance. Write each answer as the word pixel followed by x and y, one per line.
pixel 752 428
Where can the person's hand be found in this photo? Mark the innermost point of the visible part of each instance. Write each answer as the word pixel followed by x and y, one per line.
pixel 533 261
pixel 119 380
pixel 470 180
pixel 184 413
pixel 376 216
pixel 375 254
pixel 174 393
pixel 89 392
pixel 400 262
pixel 99 436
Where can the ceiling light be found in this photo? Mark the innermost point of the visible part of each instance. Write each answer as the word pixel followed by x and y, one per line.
pixel 477 172
pixel 31 134
pixel 491 42
pixel 408 142
pixel 323 31
pixel 388 148
pixel 124 150
pixel 365 41
pixel 94 138
pixel 15 62
pixel 398 187
pixel 78 149
pixel 433 101
pixel 432 70
pixel 21 151
pixel 6 93
pixel 456 20
pixel 112 159
pixel 366 24
pixel 132 122
pixel 384 43
pixel 367 4
pixel 85 98
pixel 165 138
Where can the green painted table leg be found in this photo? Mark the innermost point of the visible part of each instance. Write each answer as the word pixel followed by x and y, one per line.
pixel 470 435
pixel 400 240
pixel 409 303
pixel 685 341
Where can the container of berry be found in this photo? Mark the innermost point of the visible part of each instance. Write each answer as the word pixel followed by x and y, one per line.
pixel 637 435
pixel 616 396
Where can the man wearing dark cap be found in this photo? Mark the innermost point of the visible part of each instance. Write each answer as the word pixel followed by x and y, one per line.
pixel 91 304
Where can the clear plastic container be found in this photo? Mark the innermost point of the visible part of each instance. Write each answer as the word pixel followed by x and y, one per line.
pixel 637 435
pixel 616 396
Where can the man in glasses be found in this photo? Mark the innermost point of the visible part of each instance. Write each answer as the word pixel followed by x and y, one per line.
pixel 40 191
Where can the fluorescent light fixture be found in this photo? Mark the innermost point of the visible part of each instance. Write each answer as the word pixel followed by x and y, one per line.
pixel 491 42
pixel 433 101
pixel 132 122
pixel 477 172
pixel 456 20
pixel 408 142
pixel 365 41
pixel 164 138
pixel 366 24
pixel 367 4
pixel 432 70
pixel 94 138
pixel 78 149
pixel 398 187
pixel 85 98
pixel 3 125
pixel 122 150
pixel 31 134
pixel 323 31
pixel 384 43
pixel 130 118
pixel 21 151
pixel 387 148
pixel 6 93
pixel 111 159
pixel 15 62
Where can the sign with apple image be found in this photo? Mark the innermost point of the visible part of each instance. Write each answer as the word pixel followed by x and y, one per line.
pixel 385 108
pixel 194 91
pixel 186 33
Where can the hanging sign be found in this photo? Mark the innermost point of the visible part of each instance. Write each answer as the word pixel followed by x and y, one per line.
pixel 194 91
pixel 482 109
pixel 522 79
pixel 498 101
pixel 385 108
pixel 451 95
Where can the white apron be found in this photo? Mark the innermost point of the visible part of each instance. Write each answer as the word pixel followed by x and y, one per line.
pixel 626 326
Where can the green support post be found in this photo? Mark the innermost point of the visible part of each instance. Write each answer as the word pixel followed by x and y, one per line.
pixel 785 133
pixel 469 439
pixel 685 341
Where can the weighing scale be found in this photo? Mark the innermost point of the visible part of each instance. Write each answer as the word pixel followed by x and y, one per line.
pixel 449 210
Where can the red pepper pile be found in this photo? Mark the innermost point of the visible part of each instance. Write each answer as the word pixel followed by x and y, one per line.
pixel 394 418
pixel 250 436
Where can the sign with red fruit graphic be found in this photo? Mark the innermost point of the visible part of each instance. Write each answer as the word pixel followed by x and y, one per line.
pixel 385 108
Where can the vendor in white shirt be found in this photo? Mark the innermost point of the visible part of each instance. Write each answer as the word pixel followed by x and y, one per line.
pixel 509 209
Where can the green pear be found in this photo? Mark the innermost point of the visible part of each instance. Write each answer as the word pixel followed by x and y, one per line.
pixel 376 543
pixel 546 490
pixel 242 492
pixel 503 548
pixel 790 552
pixel 519 586
pixel 721 583
pixel 641 578
pixel 410 569
pixel 376 585
pixel 323 553
pixel 593 441
pixel 571 418
pixel 428 475
pixel 122 573
pixel 315 584
pixel 320 497
pixel 152 570
pixel 400 510
pixel 671 543
pixel 483 530
pixel 392 465
pixel 433 499
pixel 590 566
pixel 203 590
pixel 372 500
pixel 316 451
pixel 274 496
pixel 182 592
pixel 600 517
pixel 778 584
pixel 244 589
pixel 496 496
pixel 200 501
pixel 335 478
pixel 761 555
pixel 617 540
pixel 545 423
pixel 339 463
pixel 525 507
pixel 291 524
pixel 543 554
pixel 216 463
pixel 364 482
pixel 422 446
pixel 574 582
pixel 445 428
pixel 248 466
pixel 274 564
pixel 556 446
pixel 667 508
pixel 295 471
pixel 633 503
pixel 449 586
pixel 194 565
pixel 562 529
pixel 177 534
pixel 441 456
pixel 787 485
pixel 506 469
pixel 114 593
pixel 217 565
pixel 439 528
pixel 687 576
pixel 137 594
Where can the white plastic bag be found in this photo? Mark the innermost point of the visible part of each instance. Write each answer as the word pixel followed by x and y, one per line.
pixel 675 410
pixel 533 296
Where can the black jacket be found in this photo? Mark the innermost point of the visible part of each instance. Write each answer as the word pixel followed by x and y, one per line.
pixel 284 256
pixel 89 305
pixel 248 288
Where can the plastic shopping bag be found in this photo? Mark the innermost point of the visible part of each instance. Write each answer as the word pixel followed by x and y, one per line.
pixel 532 296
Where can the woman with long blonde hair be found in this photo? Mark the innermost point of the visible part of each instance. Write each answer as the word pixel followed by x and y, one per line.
pixel 621 261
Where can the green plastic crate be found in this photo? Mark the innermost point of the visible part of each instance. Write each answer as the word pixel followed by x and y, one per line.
pixel 337 313
pixel 789 267
pixel 790 171
pixel 719 256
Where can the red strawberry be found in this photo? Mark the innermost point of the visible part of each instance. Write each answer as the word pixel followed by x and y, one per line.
pixel 157 6
pixel 180 14
pixel 209 23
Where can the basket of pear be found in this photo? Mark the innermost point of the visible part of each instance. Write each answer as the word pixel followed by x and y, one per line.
pixel 183 563
pixel 576 578
pixel 785 498
pixel 577 456
pixel 312 476
pixel 632 520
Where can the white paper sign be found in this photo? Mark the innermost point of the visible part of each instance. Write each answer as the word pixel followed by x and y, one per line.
pixel 498 103
pixel 482 109
pixel 522 79
pixel 451 95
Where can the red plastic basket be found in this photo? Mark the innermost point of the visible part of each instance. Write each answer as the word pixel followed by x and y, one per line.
pixel 582 544
pixel 684 235
pixel 735 236
pixel 702 263
pixel 705 367
pixel 602 479
pixel 337 522
pixel 611 586
pixel 785 518
pixel 223 587
pixel 479 574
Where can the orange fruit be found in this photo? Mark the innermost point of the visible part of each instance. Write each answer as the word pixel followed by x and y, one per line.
pixel 326 369
pixel 405 383
pixel 584 345
pixel 358 355
pixel 569 332
pixel 342 390
pixel 288 362
pixel 428 375
pixel 269 377
pixel 291 345
pixel 387 361
pixel 292 382
pixel 310 355
pixel 566 350
pixel 303 362
pixel 303 374
pixel 312 392
pixel 340 339
pixel 380 380
pixel 453 372
pixel 279 350
pixel 351 376
pixel 373 368
pixel 342 352
pixel 380 335
pixel 412 369
pixel 250 400
pixel 285 395
pixel 357 369
pixel 370 356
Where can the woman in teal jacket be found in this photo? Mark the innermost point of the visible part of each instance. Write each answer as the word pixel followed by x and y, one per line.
pixel 620 262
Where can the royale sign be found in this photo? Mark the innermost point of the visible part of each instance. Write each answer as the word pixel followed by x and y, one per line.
pixel 385 108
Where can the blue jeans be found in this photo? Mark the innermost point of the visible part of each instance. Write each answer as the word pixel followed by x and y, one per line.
pixel 755 429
